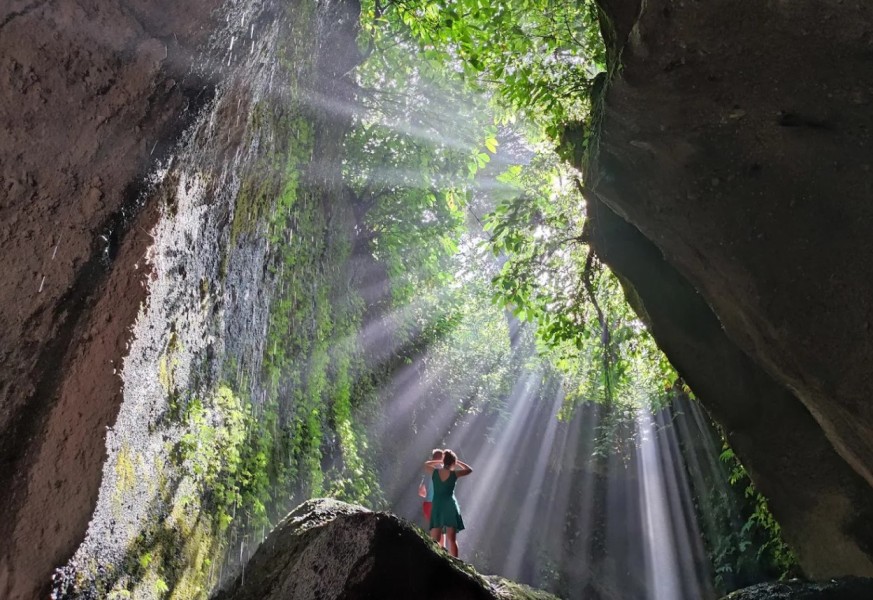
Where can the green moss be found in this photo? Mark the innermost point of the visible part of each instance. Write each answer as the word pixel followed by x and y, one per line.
pixel 510 590
pixel 269 187
pixel 175 560
pixel 126 462
pixel 211 450
pixel 269 190
pixel 125 471
pixel 168 362
pixel 175 557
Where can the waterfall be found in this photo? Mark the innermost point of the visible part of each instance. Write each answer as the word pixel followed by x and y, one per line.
pixel 212 282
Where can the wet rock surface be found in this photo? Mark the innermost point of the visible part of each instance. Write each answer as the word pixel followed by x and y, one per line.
pixel 127 132
pixel 92 94
pixel 331 550
pixel 212 273
pixel 737 151
pixel 838 589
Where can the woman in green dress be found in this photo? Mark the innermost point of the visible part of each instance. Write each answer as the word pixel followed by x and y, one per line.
pixel 445 515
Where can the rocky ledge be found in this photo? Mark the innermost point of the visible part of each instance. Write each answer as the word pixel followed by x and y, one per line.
pixel 848 588
pixel 330 550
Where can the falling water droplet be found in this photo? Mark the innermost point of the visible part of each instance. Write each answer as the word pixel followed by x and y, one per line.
pixel 230 50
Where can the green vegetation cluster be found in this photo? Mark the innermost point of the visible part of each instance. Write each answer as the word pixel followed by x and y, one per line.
pixel 757 545
pixel 538 57
pixel 531 63
pixel 536 65
pixel 551 277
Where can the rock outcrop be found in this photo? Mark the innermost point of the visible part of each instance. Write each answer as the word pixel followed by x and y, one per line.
pixel 850 588
pixel 730 188
pixel 335 551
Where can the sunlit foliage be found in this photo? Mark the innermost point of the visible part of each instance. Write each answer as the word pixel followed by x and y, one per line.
pixel 551 276
pixel 759 541
pixel 538 56
pixel 535 60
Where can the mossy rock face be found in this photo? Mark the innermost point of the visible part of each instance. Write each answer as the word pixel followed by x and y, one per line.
pixel 849 588
pixel 332 550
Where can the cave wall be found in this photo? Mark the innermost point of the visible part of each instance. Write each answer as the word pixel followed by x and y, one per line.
pixel 92 95
pixel 155 153
pixel 730 188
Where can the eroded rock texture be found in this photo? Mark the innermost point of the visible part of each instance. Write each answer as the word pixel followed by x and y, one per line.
pixel 731 189
pixel 336 551
pixel 91 94
pixel 145 150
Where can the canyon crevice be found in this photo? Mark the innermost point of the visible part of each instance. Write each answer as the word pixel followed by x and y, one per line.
pixel 172 202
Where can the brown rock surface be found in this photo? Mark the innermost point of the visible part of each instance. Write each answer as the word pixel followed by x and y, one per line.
pixel 736 138
pixel 823 506
pixel 91 94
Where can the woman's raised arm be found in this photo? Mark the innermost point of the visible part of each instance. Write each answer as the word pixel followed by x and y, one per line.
pixel 465 468
pixel 430 465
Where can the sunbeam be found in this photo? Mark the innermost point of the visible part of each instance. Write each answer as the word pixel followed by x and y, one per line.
pixel 662 561
pixel 531 506
pixel 269 255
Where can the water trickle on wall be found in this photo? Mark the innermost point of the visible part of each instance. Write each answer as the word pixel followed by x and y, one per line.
pixel 226 385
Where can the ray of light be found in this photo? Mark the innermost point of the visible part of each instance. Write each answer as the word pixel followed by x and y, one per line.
pixel 676 563
pixel 536 479
pixel 495 462
pixel 662 570
pixel 692 558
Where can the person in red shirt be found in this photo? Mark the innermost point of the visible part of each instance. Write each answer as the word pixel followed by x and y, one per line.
pixel 425 488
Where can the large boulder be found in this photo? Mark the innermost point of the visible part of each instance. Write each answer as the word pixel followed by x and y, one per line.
pixel 730 189
pixel 330 550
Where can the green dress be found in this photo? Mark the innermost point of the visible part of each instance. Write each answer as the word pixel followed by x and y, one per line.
pixel 445 511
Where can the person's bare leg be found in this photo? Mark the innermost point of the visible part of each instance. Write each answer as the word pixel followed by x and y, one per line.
pixel 436 534
pixel 451 542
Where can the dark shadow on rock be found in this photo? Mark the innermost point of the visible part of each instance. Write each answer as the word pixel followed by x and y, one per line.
pixel 733 197
pixel 850 588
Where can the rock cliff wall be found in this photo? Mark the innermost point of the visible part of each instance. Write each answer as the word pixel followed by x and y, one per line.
pixel 151 158
pixel 93 95
pixel 730 187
